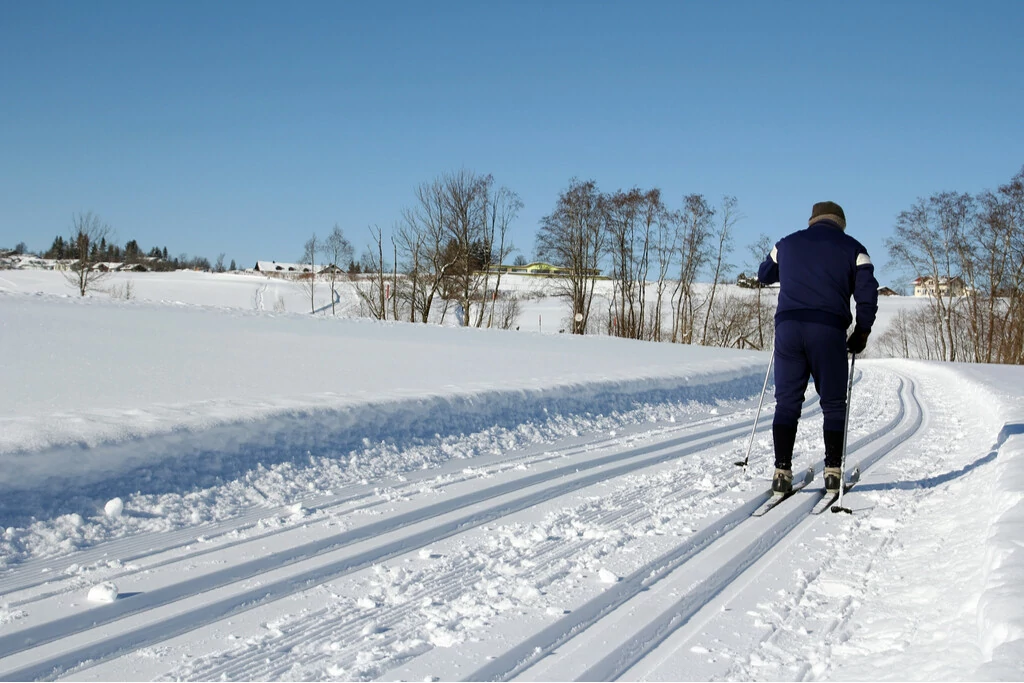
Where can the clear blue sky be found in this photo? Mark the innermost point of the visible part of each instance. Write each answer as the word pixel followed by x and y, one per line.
pixel 243 127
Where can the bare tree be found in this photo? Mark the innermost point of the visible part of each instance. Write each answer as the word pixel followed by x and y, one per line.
pixel 694 225
pixel 993 266
pixel 1011 228
pixel 421 241
pixel 465 195
pixel 410 243
pixel 970 253
pixel 503 206
pixel 372 290
pixel 623 214
pixel 87 231
pixel 732 320
pixel 758 250
pixel 508 310
pixel 925 243
pixel 219 267
pixel 448 242
pixel 633 216
pixel 574 237
pixel 336 250
pixel 720 268
pixel 308 280
pixel 665 248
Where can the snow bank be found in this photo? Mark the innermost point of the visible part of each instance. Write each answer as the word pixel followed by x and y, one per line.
pixel 108 398
pixel 1001 606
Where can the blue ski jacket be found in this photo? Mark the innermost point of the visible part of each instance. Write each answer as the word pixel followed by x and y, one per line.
pixel 818 269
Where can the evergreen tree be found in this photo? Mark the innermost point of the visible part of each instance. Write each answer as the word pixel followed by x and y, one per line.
pixel 58 250
pixel 131 251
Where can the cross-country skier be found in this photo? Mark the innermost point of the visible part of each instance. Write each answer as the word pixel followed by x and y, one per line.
pixel 818 269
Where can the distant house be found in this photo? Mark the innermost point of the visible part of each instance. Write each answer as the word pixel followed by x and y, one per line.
pixel 539 268
pixel 747 282
pixel 886 291
pixel 108 267
pixel 944 286
pixel 283 269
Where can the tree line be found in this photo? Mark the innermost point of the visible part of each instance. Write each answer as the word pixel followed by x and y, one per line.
pixel 441 255
pixel 447 250
pixel 664 263
pixel 89 245
pixel 88 230
pixel 977 243
pixel 655 253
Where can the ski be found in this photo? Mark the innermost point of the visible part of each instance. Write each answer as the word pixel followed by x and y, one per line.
pixel 826 503
pixel 779 498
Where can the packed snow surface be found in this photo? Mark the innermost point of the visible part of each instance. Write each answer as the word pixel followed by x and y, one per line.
pixel 196 487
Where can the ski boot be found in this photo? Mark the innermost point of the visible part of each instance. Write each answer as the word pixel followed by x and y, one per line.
pixel 782 482
pixel 833 479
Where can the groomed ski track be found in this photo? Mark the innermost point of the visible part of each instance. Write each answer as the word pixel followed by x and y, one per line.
pixel 177 585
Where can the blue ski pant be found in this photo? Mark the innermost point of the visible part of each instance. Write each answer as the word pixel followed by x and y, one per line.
pixel 804 350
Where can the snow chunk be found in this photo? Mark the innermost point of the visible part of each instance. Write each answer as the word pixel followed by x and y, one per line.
pixel 440 636
pixel 104 592
pixel 366 603
pixel 371 629
pixel 526 593
pixel 607 576
pixel 114 508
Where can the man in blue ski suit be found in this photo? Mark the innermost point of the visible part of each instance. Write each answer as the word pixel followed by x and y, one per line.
pixel 818 269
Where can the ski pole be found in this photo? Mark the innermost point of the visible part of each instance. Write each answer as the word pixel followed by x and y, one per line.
pixel 743 463
pixel 838 507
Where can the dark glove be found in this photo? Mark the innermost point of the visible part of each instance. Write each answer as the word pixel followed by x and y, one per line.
pixel 858 340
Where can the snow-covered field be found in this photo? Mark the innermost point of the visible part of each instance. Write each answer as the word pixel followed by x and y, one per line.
pixel 194 486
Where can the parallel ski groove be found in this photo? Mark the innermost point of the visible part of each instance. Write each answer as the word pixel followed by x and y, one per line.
pixel 529 652
pixel 619 661
pixel 39 571
pixel 629 511
pixel 32 637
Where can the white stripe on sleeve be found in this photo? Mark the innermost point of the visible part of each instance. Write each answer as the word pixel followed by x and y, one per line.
pixel 775 254
pixel 863 260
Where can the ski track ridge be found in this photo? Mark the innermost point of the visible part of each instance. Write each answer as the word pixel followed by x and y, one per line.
pixel 610 466
pixel 787 517
pixel 38 571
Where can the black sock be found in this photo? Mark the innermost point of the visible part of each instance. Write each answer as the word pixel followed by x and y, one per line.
pixel 784 437
pixel 833 448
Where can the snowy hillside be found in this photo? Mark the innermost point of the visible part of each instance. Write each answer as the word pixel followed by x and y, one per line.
pixel 195 487
pixel 254 292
